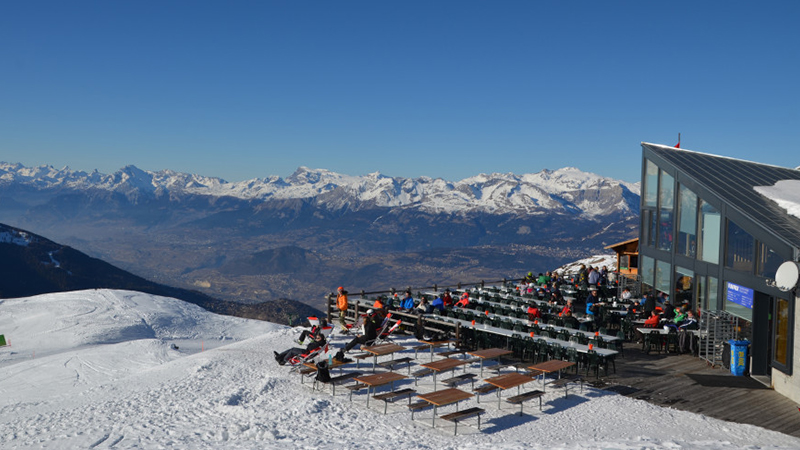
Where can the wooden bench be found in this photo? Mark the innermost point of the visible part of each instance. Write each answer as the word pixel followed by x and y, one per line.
pixel 465 414
pixel 394 396
pixel 355 387
pixel 360 357
pixel 458 379
pixel 485 389
pixel 339 379
pixel 565 381
pixel 394 362
pixel 418 406
pixel 421 373
pixel 450 353
pixel 505 365
pixel 305 372
pixel 429 346
pixel 522 398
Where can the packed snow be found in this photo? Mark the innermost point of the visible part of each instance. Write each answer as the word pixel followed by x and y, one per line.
pixel 107 369
pixel 786 193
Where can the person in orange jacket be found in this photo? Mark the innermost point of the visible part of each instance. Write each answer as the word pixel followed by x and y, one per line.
pixel 341 304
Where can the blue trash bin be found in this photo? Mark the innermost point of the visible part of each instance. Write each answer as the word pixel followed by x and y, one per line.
pixel 739 357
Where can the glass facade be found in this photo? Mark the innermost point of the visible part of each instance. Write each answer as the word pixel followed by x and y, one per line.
pixel 709 229
pixel 697 255
pixel 687 222
pixel 647 272
pixel 684 286
pixel 650 184
pixel 768 261
pixel 666 210
pixel 739 249
pixel 663 271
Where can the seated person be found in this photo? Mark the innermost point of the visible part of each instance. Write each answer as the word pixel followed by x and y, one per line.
pixel 381 304
pixel 464 301
pixel 424 307
pixel 317 341
pixel 669 311
pixel 591 299
pixel 316 327
pixel 567 308
pixel 689 323
pixel 368 334
pixel 447 298
pixel 407 303
pixel 556 296
pixel 570 321
pixel 625 296
pixel 652 321
pixel 533 313
pixel 438 303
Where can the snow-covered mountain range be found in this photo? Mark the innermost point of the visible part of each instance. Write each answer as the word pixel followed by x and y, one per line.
pixel 300 236
pixel 567 190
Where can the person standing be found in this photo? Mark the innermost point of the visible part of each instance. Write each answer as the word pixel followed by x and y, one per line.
pixel 341 304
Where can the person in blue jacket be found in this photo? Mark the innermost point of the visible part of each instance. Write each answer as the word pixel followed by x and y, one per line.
pixel 408 302
pixel 438 303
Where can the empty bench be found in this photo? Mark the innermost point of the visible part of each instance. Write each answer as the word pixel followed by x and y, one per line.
pixel 465 414
pixel 339 379
pixel 485 389
pixel 458 379
pixel 565 382
pixel 394 396
pixel 522 398
pixel 395 362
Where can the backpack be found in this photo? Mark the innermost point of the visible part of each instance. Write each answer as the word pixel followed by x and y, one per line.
pixel 323 372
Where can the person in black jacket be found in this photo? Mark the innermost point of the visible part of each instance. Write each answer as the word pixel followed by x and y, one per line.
pixel 318 340
pixel 649 304
pixel 370 332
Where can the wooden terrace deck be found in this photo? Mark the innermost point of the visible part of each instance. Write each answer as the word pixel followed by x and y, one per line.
pixel 688 383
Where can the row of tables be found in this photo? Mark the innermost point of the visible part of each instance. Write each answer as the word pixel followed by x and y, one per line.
pixel 450 396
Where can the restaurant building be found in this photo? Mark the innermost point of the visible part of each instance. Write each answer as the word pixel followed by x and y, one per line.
pixel 710 239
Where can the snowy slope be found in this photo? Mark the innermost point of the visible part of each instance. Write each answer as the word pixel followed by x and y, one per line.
pixel 95 369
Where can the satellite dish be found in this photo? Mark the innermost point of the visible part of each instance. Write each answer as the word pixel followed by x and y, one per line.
pixel 787 276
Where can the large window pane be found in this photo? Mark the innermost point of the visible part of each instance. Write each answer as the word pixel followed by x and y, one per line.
pixel 650 224
pixel 663 271
pixel 700 288
pixel 684 286
pixel 782 332
pixel 666 210
pixel 740 249
pixel 687 222
pixel 709 233
pixel 768 261
pixel 712 290
pixel 647 273
pixel 650 184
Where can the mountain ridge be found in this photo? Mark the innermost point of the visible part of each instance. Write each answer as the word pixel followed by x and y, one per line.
pixel 496 193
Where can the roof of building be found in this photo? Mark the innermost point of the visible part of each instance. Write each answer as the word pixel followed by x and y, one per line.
pixel 733 181
pixel 622 244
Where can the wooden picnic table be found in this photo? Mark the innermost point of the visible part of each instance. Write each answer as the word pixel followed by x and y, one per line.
pixel 379 379
pixel 553 365
pixel 443 365
pixel 443 398
pixel 489 353
pixel 382 350
pixel 508 381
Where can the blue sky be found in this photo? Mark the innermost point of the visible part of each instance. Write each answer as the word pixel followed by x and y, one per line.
pixel 447 89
